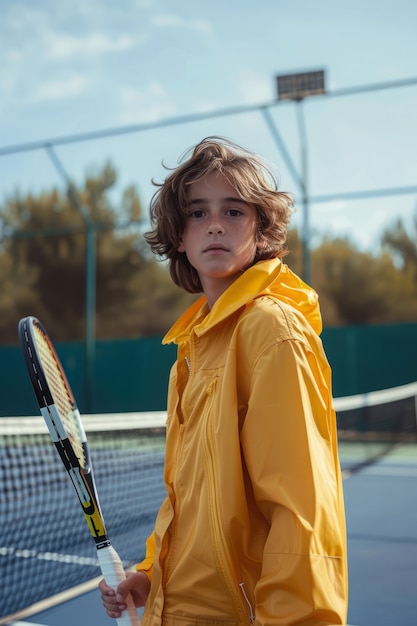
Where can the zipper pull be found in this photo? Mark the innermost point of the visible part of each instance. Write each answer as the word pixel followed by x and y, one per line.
pixel 251 615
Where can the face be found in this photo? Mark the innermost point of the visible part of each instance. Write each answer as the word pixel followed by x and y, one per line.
pixel 219 238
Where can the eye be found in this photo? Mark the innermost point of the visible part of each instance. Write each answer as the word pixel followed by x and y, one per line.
pixel 196 213
pixel 234 212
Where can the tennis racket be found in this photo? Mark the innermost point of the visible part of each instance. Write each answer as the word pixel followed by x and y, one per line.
pixel 62 418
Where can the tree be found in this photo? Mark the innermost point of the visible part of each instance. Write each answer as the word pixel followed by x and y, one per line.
pixel 294 258
pixel 402 246
pixel 43 265
pixel 360 288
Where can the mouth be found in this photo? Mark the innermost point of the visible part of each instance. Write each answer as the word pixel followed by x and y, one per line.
pixel 216 247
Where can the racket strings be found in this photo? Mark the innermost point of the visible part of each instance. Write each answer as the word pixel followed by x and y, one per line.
pixel 60 394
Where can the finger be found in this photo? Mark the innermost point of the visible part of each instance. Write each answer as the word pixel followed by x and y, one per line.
pixel 105 589
pixel 114 608
pixel 111 601
pixel 125 587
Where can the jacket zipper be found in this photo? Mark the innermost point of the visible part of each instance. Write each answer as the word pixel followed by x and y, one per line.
pixel 188 364
pixel 248 602
pixel 173 527
pixel 226 565
pixel 173 530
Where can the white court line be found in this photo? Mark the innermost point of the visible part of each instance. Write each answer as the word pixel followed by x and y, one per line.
pixel 386 470
pixel 33 624
pixel 47 603
pixel 382 470
pixel 24 624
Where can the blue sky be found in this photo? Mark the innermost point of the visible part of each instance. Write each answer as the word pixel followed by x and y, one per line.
pixel 70 67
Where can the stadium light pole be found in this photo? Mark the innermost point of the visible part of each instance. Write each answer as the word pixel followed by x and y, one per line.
pixel 296 87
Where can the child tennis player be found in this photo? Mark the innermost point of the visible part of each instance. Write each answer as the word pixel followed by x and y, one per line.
pixel 252 530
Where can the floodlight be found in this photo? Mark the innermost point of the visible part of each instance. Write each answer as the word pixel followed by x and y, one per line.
pixel 299 86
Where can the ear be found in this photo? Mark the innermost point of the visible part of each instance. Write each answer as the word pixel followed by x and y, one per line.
pixel 261 242
pixel 181 247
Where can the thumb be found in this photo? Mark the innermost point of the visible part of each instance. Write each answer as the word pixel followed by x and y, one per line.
pixel 124 588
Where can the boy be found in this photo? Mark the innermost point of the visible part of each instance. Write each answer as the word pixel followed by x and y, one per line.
pixel 252 530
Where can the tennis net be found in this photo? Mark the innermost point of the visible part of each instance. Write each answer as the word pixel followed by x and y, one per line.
pixel 39 558
pixel 45 546
pixel 370 425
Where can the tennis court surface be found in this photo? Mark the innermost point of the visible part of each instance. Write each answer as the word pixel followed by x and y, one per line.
pixel 49 577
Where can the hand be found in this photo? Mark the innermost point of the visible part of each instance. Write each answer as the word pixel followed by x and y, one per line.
pixel 136 583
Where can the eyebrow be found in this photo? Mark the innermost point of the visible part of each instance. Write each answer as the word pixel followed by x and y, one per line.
pixel 199 201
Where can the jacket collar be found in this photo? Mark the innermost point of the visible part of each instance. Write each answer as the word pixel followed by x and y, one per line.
pixel 272 278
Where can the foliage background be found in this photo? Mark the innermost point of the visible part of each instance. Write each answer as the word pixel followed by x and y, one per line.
pixel 43 268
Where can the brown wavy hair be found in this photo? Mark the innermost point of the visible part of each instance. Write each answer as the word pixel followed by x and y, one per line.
pixel 254 181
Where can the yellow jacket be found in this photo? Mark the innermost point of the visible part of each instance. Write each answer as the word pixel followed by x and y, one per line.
pixel 252 530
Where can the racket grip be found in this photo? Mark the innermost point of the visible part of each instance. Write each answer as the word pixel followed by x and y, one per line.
pixel 113 572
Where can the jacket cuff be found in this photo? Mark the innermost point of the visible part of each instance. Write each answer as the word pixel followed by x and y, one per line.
pixel 146 566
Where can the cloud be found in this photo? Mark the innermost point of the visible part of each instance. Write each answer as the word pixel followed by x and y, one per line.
pixel 57 60
pixel 144 105
pixel 169 20
pixel 59 89
pixel 63 45
pixel 254 87
pixel 145 4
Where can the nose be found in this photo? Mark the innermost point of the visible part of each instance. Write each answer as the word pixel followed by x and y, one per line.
pixel 214 226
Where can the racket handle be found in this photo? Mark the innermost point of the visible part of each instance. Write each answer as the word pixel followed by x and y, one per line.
pixel 113 572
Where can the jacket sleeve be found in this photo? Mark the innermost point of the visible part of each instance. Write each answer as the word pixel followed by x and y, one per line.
pixel 290 448
pixel 146 566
